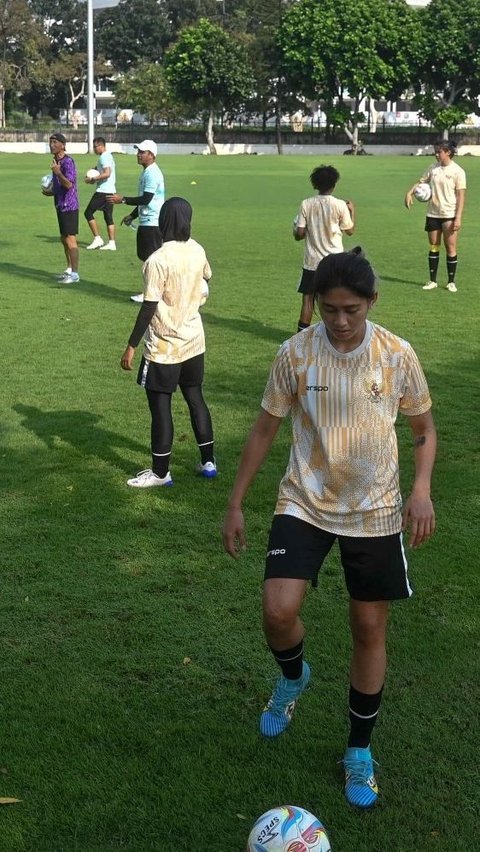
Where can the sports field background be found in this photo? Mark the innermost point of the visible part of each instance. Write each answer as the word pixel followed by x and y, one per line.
pixel 133 663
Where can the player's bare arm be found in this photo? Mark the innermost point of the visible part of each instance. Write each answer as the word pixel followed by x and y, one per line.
pixel 418 513
pixel 460 197
pixel 254 453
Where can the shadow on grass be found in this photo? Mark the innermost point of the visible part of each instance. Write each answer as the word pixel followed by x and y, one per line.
pixel 249 325
pixel 81 430
pixel 393 280
pixel 89 287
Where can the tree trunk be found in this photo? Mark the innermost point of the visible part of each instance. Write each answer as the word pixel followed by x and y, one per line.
pixel 210 140
pixel 278 127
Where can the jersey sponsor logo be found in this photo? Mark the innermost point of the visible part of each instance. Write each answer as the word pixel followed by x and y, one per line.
pixel 317 388
pixel 279 551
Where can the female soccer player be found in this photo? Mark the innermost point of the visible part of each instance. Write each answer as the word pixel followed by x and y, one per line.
pixel 444 213
pixel 342 381
pixel 174 277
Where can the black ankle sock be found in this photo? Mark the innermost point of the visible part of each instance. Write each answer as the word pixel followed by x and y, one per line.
pixel 363 712
pixel 290 661
pixel 161 465
pixel 206 453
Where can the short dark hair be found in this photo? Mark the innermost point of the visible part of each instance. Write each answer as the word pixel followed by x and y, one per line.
pixel 446 145
pixel 324 178
pixel 99 139
pixel 345 269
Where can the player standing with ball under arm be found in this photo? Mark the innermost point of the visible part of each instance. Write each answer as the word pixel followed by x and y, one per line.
pixel 444 213
pixel 342 381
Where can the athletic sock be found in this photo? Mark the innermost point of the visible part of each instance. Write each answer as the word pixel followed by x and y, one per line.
pixel 451 268
pixel 206 452
pixel 302 325
pixel 363 712
pixel 433 260
pixel 161 464
pixel 290 661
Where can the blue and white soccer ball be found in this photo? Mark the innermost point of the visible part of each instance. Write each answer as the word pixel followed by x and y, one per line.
pixel 288 828
pixel 47 182
pixel 422 192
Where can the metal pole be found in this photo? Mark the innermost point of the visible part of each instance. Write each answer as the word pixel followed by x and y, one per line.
pixel 90 78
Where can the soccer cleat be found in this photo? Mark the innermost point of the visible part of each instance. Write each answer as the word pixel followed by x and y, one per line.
pixel 360 785
pixel 208 470
pixel 110 246
pixel 71 278
pixel 149 479
pixel 451 287
pixel 137 298
pixel 430 285
pixel 278 713
pixel 97 242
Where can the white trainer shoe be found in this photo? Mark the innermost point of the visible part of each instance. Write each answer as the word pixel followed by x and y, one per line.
pixel 72 278
pixel 149 479
pixel 137 298
pixel 97 242
pixel 63 275
pixel 451 287
pixel 430 285
pixel 208 470
pixel 110 246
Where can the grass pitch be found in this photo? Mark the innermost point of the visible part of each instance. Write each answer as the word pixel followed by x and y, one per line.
pixel 133 663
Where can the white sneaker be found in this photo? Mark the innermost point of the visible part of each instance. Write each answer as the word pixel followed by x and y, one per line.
pixel 96 243
pixel 208 470
pixel 430 285
pixel 72 278
pixel 137 298
pixel 149 479
pixel 451 287
pixel 63 275
pixel 110 246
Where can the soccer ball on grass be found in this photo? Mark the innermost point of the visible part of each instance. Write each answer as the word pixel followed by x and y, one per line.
pixel 288 828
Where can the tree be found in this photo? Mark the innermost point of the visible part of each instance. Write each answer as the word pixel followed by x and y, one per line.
pixel 71 69
pixel 146 90
pixel 210 70
pixel 340 51
pixel 448 71
pixel 133 32
pixel 64 23
pixel 20 46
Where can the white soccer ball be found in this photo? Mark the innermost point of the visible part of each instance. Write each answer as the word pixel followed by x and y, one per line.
pixel 422 192
pixel 47 182
pixel 204 290
pixel 92 173
pixel 288 828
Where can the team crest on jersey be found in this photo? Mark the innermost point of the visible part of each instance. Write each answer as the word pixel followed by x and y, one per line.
pixel 374 389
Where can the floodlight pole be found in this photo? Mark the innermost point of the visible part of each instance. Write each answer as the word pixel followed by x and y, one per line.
pixel 90 78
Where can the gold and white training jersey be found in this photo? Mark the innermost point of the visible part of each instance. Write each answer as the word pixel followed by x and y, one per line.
pixel 444 181
pixel 324 218
pixel 342 474
pixel 173 277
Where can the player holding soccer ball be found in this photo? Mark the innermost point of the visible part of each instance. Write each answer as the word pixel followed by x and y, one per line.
pixel 63 188
pixel 321 221
pixel 444 213
pixel 343 382
pixel 105 185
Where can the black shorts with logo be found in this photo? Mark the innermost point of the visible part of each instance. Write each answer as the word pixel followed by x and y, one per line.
pixel 435 223
pixel 307 282
pixel 68 223
pixel 149 239
pixel 164 378
pixel 375 568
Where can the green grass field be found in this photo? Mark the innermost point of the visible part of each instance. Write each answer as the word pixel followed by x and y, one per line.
pixel 133 663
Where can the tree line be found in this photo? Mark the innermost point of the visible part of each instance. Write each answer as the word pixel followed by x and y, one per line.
pixel 179 59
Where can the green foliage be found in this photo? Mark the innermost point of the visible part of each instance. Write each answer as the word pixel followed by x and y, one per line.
pixel 209 68
pixel 146 90
pixel 359 47
pixel 134 32
pixel 448 71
